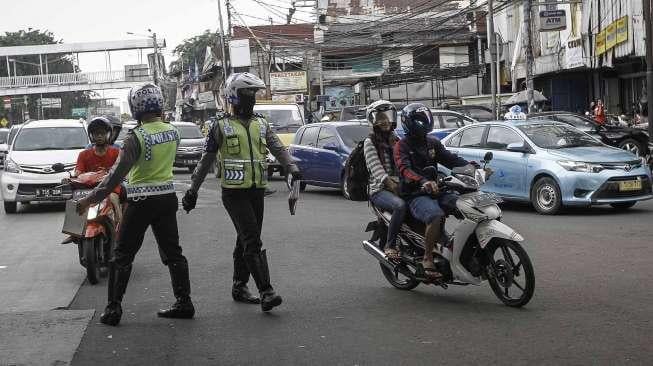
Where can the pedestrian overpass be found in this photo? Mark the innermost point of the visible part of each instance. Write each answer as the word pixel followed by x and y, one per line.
pixel 45 82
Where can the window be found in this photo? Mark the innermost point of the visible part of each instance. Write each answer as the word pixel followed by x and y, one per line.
pixel 309 138
pixel 454 141
pixel 352 135
pixel 428 55
pixel 394 66
pixel 325 137
pixel 472 137
pixel 281 120
pixel 452 121
pixel 499 138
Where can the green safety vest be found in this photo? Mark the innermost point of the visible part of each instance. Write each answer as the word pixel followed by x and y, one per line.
pixel 243 153
pixel 152 173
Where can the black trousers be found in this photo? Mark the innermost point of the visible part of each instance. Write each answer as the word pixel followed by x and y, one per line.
pixel 245 207
pixel 160 212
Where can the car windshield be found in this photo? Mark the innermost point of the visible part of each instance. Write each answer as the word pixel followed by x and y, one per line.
pixel 3 137
pixel 557 136
pixel 351 135
pixel 282 120
pixel 51 138
pixel 190 132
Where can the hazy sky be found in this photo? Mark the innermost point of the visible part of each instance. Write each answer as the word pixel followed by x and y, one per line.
pixel 93 20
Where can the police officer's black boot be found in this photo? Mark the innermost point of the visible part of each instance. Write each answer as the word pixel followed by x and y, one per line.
pixel 118 279
pixel 258 266
pixel 239 290
pixel 182 308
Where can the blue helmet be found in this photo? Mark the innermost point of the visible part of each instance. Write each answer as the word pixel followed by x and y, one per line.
pixel 146 98
pixel 416 120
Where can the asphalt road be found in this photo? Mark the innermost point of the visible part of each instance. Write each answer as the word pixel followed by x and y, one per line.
pixel 592 305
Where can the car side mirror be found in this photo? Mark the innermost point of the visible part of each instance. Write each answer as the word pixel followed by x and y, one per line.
pixel 330 146
pixel 518 147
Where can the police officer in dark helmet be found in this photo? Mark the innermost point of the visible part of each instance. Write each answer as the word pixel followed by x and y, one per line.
pixel 242 140
pixel 146 159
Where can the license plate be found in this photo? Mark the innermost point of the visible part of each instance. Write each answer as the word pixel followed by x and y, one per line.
pixel 48 192
pixel 630 185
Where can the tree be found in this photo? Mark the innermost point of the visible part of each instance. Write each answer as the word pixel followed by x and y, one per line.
pixel 192 50
pixel 57 64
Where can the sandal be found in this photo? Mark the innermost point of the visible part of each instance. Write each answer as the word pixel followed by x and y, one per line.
pixel 392 254
pixel 431 273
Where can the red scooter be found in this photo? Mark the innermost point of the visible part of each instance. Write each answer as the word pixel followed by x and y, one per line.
pixel 93 232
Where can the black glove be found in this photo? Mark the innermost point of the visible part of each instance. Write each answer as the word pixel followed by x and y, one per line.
pixel 189 201
pixel 296 174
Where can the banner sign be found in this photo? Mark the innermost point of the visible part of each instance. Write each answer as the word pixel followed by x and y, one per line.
pixel 614 34
pixel 600 43
pixel 574 53
pixel 287 81
pixel 610 36
pixel 622 29
pixel 553 20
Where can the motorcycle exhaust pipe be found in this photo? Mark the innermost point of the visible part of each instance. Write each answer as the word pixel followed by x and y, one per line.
pixel 378 254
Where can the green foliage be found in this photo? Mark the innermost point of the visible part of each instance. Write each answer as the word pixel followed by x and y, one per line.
pixel 193 49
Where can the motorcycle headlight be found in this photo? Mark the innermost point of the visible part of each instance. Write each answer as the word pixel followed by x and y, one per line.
pixel 579 166
pixel 12 167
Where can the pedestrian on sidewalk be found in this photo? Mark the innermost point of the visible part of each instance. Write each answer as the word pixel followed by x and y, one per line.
pixel 599 112
pixel 241 141
pixel 146 158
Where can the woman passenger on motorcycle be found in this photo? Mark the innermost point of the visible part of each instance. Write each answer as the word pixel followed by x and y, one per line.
pixel 383 183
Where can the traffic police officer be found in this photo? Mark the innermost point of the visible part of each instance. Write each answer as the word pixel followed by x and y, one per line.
pixel 146 159
pixel 242 140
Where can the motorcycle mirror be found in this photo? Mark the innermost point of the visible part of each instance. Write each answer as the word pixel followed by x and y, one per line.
pixel 488 156
pixel 58 167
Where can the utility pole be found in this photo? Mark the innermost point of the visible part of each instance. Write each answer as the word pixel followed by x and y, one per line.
pixel 647 5
pixel 228 4
pixel 222 43
pixel 491 41
pixel 155 73
pixel 528 47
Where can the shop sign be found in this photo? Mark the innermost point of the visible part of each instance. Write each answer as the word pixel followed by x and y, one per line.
pixel 611 36
pixel 600 43
pixel 553 20
pixel 287 81
pixel 622 29
pixel 574 53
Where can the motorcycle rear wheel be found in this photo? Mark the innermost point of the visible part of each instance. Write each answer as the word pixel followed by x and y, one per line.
pixel 506 274
pixel 400 282
pixel 92 262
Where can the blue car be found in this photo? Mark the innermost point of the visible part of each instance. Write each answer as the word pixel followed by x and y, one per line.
pixel 553 164
pixel 445 122
pixel 321 149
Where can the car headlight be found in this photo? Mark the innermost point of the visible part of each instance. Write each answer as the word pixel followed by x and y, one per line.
pixel 579 166
pixel 12 167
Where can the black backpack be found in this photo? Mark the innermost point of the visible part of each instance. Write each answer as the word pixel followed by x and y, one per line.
pixel 356 175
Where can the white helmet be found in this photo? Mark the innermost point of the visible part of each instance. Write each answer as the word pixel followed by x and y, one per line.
pixel 146 98
pixel 383 107
pixel 241 80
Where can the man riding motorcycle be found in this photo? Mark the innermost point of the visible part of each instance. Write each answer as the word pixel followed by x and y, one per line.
pixel 412 155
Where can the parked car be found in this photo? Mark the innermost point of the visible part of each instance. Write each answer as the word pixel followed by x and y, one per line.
pixel 191 145
pixel 4 147
pixel 476 112
pixel 285 120
pixel 627 138
pixel 321 149
pixel 444 122
pixel 552 164
pixel 38 145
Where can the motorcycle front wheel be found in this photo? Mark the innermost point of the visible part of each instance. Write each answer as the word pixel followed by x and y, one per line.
pixel 510 272
pixel 92 260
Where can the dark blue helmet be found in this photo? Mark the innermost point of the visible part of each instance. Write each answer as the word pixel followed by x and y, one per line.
pixel 416 120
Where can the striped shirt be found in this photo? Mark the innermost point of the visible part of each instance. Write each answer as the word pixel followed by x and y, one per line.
pixel 378 172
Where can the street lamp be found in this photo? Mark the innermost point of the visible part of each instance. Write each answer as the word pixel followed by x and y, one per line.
pixel 155 72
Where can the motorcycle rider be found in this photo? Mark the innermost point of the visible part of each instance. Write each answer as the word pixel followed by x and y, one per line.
pixel 383 186
pixel 146 158
pixel 412 155
pixel 241 141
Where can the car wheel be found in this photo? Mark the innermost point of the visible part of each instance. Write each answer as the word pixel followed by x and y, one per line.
pixel 343 186
pixel 546 197
pixel 632 146
pixel 11 207
pixel 623 205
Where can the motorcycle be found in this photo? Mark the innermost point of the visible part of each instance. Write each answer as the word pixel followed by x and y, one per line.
pixel 96 236
pixel 481 247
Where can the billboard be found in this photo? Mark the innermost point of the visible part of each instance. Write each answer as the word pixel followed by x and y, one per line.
pixel 288 81
pixel 239 53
